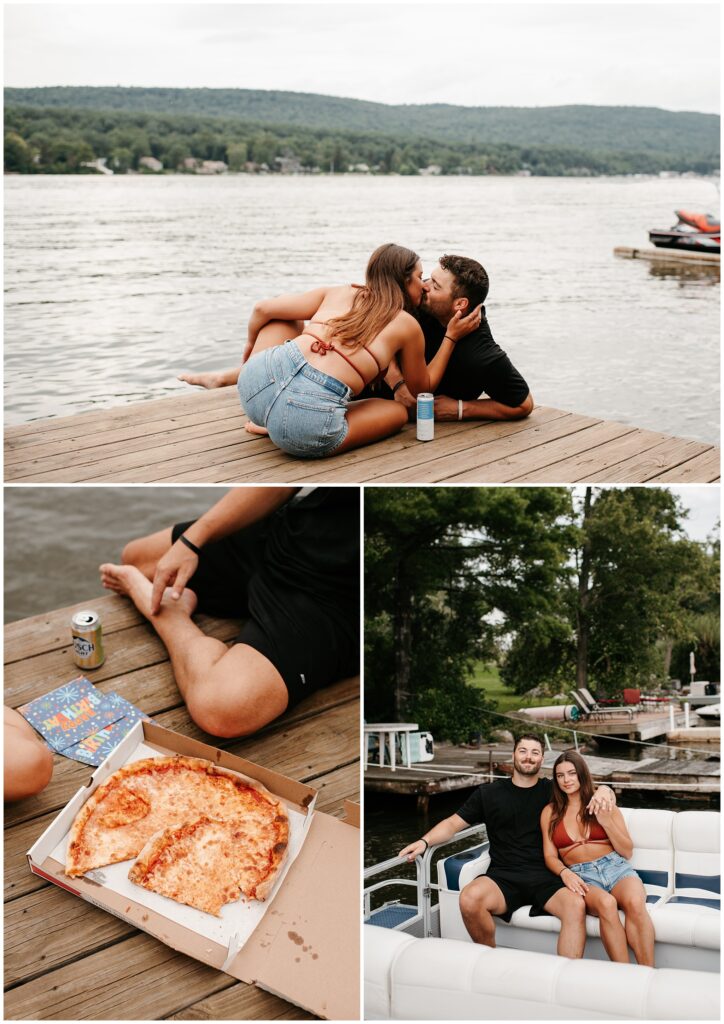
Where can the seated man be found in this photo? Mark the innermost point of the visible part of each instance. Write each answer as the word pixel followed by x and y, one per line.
pixel 477 365
pixel 28 758
pixel 285 559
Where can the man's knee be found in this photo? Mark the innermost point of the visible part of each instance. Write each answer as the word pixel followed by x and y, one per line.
pixel 31 772
pixel 223 706
pixel 133 552
pixel 474 899
pixel 569 906
pixel 519 412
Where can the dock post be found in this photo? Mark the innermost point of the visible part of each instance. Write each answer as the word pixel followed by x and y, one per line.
pixel 672 723
pixel 575 739
pixel 686 714
pixel 548 742
pixel 423 802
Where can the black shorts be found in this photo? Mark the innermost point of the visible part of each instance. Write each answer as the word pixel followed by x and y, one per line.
pixel 521 888
pixel 504 384
pixel 309 643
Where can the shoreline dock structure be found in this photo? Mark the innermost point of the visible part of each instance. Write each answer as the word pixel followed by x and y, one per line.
pixel 200 438
pixel 455 768
pixel 55 943
pixel 682 257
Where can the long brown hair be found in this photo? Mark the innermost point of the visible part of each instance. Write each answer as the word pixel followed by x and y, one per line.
pixel 559 800
pixel 384 295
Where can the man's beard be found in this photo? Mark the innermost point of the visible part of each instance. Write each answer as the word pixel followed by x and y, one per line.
pixel 526 769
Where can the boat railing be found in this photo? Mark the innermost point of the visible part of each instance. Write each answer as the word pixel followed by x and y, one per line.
pixel 422 883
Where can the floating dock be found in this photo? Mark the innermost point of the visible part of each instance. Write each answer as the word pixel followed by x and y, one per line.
pixel 68 960
pixel 456 768
pixel 699 259
pixel 200 438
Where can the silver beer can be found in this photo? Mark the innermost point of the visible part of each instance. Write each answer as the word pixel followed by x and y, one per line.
pixel 87 636
pixel 425 416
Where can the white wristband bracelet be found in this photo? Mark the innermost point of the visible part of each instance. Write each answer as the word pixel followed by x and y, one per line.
pixel 460 408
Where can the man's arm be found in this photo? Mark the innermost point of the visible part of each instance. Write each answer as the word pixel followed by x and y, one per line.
pixel 239 508
pixel 440 833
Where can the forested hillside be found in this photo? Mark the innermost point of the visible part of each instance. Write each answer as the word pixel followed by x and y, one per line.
pixel 61 128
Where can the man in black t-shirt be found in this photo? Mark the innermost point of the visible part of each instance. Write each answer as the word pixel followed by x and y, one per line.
pixel 285 559
pixel 517 875
pixel 478 364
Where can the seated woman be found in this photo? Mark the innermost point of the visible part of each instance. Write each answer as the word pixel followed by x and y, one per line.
pixel 589 853
pixel 28 759
pixel 300 392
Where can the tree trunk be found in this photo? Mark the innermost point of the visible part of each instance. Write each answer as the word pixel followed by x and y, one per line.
pixel 402 637
pixel 584 599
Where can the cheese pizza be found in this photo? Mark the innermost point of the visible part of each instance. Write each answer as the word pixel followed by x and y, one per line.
pixel 207 863
pixel 149 796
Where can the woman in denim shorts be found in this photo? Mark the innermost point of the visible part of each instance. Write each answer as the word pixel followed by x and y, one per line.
pixel 299 392
pixel 590 853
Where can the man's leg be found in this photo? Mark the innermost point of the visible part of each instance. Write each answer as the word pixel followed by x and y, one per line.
pixel 276 332
pixel 570 910
pixel 145 552
pixel 479 900
pixel 630 895
pixel 28 760
pixel 228 691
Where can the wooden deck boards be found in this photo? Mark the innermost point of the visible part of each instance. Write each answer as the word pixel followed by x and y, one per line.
pixel 66 959
pixel 199 438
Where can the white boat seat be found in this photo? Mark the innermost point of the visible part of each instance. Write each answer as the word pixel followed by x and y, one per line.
pixel 442 979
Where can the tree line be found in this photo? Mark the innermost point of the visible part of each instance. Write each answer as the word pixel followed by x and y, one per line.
pixel 585 128
pixel 55 140
pixel 604 591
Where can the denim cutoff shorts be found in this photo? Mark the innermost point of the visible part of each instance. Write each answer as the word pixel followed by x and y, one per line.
pixel 605 872
pixel 303 408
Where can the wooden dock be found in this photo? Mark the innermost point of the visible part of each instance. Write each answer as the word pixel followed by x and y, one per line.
pixel 66 959
pixel 456 768
pixel 199 438
pixel 699 259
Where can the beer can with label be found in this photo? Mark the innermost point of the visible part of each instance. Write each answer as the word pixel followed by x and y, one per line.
pixel 425 416
pixel 87 636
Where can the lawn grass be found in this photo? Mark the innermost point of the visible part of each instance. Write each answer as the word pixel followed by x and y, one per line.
pixel 486 676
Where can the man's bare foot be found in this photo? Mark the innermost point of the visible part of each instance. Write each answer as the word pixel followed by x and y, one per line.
pixel 254 428
pixel 130 581
pixel 211 379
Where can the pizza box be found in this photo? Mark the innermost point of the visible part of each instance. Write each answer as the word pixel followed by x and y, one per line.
pixel 301 944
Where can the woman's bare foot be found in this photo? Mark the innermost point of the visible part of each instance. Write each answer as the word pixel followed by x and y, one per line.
pixel 130 581
pixel 254 428
pixel 211 379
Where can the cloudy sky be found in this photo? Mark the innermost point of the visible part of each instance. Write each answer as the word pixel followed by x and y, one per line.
pixel 476 53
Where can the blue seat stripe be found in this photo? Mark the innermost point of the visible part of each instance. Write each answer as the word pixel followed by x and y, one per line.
pixel 699 901
pixel 455 864
pixel 653 877
pixel 653 899
pixel 712 883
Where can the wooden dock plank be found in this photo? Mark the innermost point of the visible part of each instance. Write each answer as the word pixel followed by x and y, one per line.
pixel 316 742
pixel 670 454
pixel 136 979
pixel 516 465
pixel 199 438
pixel 704 468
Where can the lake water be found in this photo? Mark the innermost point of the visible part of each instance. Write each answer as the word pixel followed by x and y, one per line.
pixel 114 285
pixel 55 538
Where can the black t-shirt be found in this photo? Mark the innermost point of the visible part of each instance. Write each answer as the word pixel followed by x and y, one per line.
pixel 477 364
pixel 512 816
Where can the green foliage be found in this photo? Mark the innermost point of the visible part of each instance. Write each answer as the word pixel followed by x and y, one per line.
pixel 457 712
pixel 325 133
pixel 583 128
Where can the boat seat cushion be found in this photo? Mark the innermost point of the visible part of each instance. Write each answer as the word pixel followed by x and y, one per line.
pixel 697 866
pixel 381 949
pixel 442 979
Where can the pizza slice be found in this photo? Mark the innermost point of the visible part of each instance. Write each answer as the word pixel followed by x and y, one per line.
pixel 208 863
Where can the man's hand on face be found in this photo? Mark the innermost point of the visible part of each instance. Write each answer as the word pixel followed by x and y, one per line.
pixel 445 408
pixel 405 397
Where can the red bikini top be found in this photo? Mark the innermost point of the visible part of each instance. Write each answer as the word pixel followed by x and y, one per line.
pixel 323 347
pixel 561 838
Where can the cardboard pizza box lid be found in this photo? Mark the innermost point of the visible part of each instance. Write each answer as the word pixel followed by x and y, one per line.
pixel 306 948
